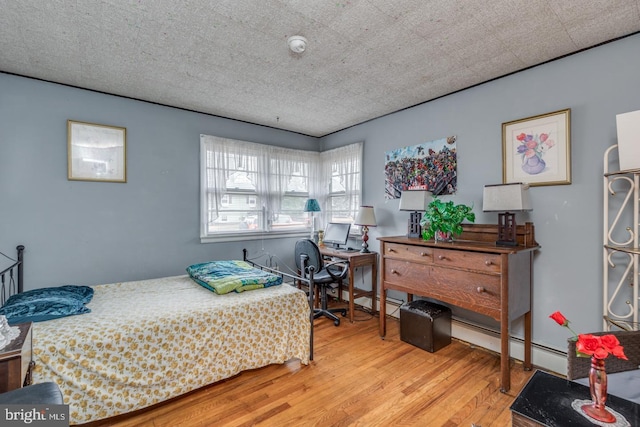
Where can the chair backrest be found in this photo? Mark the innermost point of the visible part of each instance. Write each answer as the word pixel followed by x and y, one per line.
pixel 310 249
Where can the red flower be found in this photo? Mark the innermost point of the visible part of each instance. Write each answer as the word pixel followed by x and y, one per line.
pixel 589 345
pixel 619 353
pixel 521 137
pixel 609 342
pixel 559 318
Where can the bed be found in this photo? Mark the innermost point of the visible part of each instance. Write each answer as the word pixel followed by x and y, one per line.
pixel 147 341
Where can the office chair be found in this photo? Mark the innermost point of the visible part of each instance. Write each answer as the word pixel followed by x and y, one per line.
pixel 324 276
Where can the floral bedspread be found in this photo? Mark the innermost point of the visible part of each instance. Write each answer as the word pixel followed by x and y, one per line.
pixel 147 341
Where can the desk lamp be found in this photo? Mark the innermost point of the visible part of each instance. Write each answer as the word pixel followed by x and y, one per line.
pixel 506 199
pixel 414 200
pixel 312 206
pixel 365 218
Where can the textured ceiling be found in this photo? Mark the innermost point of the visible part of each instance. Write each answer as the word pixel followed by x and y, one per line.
pixel 365 58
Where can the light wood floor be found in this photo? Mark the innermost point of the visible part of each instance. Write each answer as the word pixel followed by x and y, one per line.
pixel 355 379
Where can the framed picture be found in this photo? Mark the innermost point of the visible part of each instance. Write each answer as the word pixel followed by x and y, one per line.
pixel 96 152
pixel 431 166
pixel 537 150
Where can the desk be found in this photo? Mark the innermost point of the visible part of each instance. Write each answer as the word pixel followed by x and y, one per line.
pixel 546 401
pixel 357 259
pixel 472 273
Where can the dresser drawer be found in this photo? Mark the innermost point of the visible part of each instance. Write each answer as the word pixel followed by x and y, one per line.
pixel 473 291
pixel 462 288
pixel 406 274
pixel 482 262
pixel 408 252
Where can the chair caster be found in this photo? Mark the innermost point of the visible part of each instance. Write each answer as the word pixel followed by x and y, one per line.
pixel 336 322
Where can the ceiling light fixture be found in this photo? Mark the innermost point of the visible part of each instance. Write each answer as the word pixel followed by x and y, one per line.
pixel 297 44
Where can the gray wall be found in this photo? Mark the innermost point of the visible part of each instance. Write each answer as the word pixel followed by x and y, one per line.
pixel 96 232
pixel 83 232
pixel 596 84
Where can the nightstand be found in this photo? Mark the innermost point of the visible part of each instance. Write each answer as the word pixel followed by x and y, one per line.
pixel 15 360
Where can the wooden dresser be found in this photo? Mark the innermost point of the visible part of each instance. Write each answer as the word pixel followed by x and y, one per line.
pixel 472 273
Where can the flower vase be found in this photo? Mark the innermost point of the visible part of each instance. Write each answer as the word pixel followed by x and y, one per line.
pixel 443 236
pixel 598 389
pixel 534 165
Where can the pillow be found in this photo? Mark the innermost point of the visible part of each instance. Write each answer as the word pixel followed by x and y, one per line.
pixel 38 305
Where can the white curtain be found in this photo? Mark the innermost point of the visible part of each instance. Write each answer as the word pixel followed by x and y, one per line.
pixel 269 168
pixel 345 165
pixel 283 163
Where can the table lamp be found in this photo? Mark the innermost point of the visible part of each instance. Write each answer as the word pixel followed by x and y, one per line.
pixel 506 199
pixel 365 218
pixel 312 206
pixel 414 200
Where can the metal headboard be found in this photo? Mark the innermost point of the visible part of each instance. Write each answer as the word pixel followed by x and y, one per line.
pixel 12 277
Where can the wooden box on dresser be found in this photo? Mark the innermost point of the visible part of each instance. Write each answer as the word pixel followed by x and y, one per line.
pixel 15 360
pixel 471 272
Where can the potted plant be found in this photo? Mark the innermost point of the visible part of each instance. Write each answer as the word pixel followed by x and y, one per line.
pixel 443 220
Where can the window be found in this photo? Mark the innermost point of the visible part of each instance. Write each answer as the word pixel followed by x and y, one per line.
pixel 342 183
pixel 249 188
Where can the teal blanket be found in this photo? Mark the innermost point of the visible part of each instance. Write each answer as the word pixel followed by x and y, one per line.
pixel 223 277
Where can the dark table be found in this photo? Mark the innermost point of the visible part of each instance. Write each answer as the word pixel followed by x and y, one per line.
pixel 546 401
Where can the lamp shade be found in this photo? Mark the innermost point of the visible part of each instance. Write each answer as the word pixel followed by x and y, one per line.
pixel 312 205
pixel 506 197
pixel 366 216
pixel 628 127
pixel 414 200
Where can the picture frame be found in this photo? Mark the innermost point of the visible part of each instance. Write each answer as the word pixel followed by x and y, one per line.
pixel 537 150
pixel 96 152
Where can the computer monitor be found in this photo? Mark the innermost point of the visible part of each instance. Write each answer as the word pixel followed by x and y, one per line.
pixel 336 234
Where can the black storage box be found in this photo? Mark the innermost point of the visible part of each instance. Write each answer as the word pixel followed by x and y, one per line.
pixel 425 324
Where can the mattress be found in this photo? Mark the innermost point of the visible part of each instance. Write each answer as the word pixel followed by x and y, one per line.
pixel 148 341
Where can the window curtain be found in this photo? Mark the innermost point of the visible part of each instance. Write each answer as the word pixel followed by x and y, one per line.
pixel 216 178
pixel 228 155
pixel 283 164
pixel 345 163
pixel 269 168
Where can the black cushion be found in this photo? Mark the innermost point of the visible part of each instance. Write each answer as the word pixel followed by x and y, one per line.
pixel 44 393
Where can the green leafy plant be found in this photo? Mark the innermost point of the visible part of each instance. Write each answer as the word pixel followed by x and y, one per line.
pixel 445 217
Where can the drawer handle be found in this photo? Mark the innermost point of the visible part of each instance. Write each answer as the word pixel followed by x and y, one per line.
pixel 393 271
pixel 390 250
pixel 441 257
pixel 423 254
pixel 480 289
pixel 488 262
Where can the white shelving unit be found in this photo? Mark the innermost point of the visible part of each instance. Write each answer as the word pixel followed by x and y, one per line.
pixel 620 252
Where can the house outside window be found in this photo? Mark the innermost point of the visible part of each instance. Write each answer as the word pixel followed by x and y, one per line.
pixel 249 188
